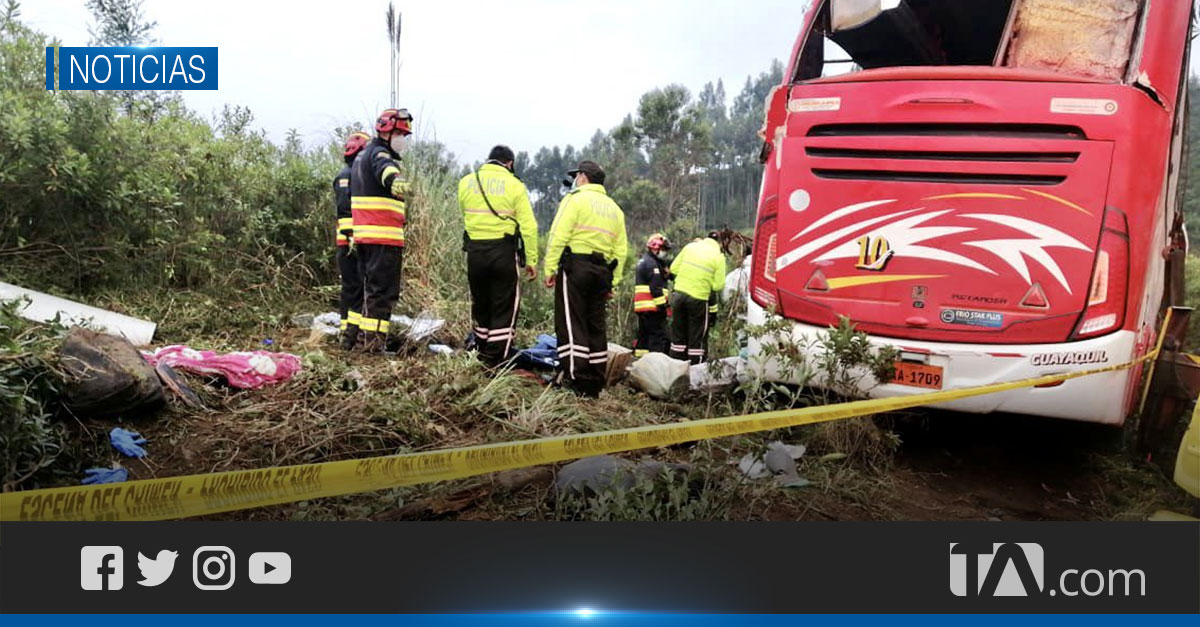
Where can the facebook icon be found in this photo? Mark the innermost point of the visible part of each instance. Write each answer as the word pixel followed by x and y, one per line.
pixel 101 567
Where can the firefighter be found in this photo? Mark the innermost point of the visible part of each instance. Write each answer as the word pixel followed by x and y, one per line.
pixel 699 273
pixel 650 296
pixel 350 302
pixel 501 244
pixel 584 260
pixel 377 199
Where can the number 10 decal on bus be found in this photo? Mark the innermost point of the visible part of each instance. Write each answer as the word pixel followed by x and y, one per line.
pixel 990 187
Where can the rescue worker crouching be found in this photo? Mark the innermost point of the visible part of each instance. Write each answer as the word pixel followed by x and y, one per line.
pixel 584 260
pixel 350 300
pixel 650 296
pixel 501 243
pixel 699 273
pixel 377 199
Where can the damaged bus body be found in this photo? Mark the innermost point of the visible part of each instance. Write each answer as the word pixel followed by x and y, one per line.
pixel 991 187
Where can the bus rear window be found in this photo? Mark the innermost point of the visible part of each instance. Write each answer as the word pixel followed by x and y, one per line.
pixel 1088 38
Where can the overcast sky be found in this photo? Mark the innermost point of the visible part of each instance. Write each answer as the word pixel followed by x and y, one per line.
pixel 524 72
pixel 529 73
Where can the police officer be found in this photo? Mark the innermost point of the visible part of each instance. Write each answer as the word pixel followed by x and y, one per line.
pixel 699 273
pixel 378 192
pixel 501 243
pixel 650 296
pixel 351 300
pixel 584 260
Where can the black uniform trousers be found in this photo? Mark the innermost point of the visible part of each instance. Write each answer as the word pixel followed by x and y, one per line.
pixel 350 301
pixel 582 283
pixel 689 327
pixel 381 286
pixel 495 296
pixel 652 333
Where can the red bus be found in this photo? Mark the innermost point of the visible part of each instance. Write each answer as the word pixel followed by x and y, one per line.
pixel 991 187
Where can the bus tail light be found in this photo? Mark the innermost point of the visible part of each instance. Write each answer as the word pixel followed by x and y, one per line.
pixel 762 279
pixel 1106 295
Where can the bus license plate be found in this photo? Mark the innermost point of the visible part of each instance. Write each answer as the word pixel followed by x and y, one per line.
pixel 918 375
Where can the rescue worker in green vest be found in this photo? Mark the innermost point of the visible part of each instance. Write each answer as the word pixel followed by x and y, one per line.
pixel 699 273
pixel 351 298
pixel 650 296
pixel 584 260
pixel 501 244
pixel 378 191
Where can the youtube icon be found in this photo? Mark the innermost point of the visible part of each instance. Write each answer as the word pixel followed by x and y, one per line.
pixel 270 568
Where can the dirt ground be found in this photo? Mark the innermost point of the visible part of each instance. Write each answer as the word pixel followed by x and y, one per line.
pixel 938 465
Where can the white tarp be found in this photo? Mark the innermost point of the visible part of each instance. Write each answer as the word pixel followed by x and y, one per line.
pixel 44 308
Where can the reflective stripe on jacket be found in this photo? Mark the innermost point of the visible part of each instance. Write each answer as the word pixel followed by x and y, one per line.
pixel 699 270
pixel 650 285
pixel 587 222
pixel 341 202
pixel 509 198
pixel 377 193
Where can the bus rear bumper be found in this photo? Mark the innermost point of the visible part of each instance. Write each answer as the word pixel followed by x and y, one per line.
pixel 1097 398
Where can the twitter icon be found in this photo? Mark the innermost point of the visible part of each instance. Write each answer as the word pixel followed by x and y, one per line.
pixel 157 570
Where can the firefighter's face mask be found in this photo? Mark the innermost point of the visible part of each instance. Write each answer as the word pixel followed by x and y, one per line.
pixel 399 143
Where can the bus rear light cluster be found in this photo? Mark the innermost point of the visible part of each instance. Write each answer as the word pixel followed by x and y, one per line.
pixel 1107 292
pixel 762 280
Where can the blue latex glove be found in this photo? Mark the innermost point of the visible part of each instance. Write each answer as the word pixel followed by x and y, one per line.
pixel 105 475
pixel 127 442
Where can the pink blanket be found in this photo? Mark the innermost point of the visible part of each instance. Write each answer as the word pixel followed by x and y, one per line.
pixel 241 369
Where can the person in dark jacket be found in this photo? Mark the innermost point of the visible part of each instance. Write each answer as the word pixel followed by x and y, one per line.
pixel 378 191
pixel 351 300
pixel 650 296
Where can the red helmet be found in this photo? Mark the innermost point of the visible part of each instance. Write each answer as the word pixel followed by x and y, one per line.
pixel 394 119
pixel 355 143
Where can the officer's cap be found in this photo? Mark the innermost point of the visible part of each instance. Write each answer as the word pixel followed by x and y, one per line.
pixel 594 172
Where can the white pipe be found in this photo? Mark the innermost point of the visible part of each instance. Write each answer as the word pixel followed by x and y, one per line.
pixel 44 308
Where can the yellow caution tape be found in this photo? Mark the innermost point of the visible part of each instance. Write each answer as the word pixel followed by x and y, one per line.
pixel 196 495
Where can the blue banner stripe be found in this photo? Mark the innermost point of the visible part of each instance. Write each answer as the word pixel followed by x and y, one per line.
pixel 602 618
pixel 49 68
pixel 129 68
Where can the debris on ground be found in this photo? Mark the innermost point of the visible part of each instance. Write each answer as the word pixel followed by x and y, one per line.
pixel 104 475
pixel 245 370
pixel 520 477
pixel 592 475
pixel 128 443
pixel 737 282
pixel 716 376
pixel 617 365
pixel 441 349
pixel 105 376
pixel 328 323
pixel 542 355
pixel 182 391
pixel 40 307
pixel 423 327
pixel 779 461
pixel 420 328
pixel 659 376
